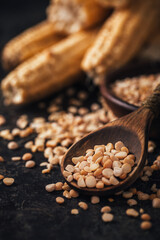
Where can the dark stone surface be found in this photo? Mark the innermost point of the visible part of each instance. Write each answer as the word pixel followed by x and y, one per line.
pixel 27 211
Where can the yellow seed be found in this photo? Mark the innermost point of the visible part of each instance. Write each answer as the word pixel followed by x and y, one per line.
pixel 50 187
pixel 132 212
pixel 83 205
pixel 59 186
pixel 8 181
pixel 145 217
pixel 27 156
pixel 95 199
pixel 105 209
pixel 73 193
pixel 30 164
pixel 107 217
pixel 1 159
pixel 1 177
pixel 60 200
pixel 12 145
pixel 146 225
pixel 74 211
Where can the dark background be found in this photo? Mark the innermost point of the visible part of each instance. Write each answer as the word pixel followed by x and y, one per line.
pixel 27 211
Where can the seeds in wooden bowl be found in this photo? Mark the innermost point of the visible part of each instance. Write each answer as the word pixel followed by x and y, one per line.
pixel 101 166
pixel 135 90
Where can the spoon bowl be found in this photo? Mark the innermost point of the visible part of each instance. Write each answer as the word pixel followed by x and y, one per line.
pixel 125 129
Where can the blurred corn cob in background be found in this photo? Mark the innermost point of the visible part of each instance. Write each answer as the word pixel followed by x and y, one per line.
pixel 51 63
pixel 70 16
pixel 151 50
pixel 122 36
pixel 114 3
pixel 27 44
pixel 49 71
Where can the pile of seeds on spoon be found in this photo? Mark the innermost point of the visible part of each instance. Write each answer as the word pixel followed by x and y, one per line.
pixel 101 166
pixel 54 135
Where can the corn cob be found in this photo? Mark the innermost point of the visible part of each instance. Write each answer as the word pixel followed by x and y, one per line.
pixel 71 16
pixel 122 36
pixel 48 71
pixel 30 42
pixel 114 3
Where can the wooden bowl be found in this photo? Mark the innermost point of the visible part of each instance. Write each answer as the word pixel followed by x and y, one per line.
pixel 117 105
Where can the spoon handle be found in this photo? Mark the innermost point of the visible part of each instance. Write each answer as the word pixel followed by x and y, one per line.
pixel 153 102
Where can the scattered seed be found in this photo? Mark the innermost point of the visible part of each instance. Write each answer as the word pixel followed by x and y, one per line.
pixel 1 177
pixel 105 209
pixel 107 217
pixel 74 193
pixel 59 186
pixel 16 159
pixel 145 217
pixel 50 187
pixel 67 194
pixel 146 225
pixel 30 164
pixel 2 120
pixel 132 212
pixel 110 199
pixel 44 171
pixel 74 211
pixel 95 199
pixel 60 200
pixel 132 202
pixel 1 159
pixel 156 203
pixel 27 156
pixel 83 205
pixel 141 210
pixel 127 194
pixel 8 181
pixel 12 145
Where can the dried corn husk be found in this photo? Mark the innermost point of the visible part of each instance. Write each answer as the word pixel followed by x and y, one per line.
pixel 49 71
pixel 29 43
pixel 71 16
pixel 122 36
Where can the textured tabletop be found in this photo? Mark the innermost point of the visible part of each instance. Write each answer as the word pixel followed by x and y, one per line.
pixel 27 211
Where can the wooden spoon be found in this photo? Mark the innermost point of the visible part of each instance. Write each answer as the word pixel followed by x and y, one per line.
pixel 132 130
